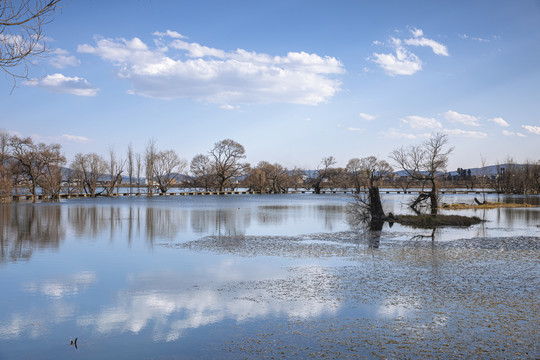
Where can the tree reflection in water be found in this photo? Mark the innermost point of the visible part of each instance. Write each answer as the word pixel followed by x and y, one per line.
pixel 28 227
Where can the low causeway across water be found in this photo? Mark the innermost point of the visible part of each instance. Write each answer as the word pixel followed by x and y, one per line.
pixel 206 193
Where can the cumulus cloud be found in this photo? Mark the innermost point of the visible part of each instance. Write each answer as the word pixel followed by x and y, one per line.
pixel 63 84
pixel 511 133
pixel 419 122
pixel 74 138
pixel 183 69
pixel 499 121
pixel 229 107
pixel 398 134
pixel 169 33
pixel 466 133
pixel 532 129
pixel 465 119
pixel 62 58
pixel 402 61
pixel 367 117
pixel 418 39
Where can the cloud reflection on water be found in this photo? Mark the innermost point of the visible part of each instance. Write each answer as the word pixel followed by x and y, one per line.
pixel 61 287
pixel 169 308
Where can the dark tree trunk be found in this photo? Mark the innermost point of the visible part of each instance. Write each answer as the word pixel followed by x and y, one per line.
pixel 376 209
pixel 434 199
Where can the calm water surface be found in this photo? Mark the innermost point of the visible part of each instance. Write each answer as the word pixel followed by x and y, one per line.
pixel 254 276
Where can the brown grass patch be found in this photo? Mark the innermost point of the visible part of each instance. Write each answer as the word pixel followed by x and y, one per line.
pixel 487 205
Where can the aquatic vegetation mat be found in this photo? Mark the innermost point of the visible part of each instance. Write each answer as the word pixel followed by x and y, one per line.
pixel 431 221
pixel 469 298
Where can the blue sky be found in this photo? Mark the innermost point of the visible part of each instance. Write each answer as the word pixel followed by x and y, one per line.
pixel 292 81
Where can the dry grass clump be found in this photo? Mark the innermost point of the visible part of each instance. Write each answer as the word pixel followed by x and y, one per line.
pixel 487 205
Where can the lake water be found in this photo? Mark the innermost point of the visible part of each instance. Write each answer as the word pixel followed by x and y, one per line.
pixel 262 276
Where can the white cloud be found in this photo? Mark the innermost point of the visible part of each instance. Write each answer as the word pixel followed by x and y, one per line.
pixel 169 33
pixel 198 51
pixel 367 117
pixel 121 51
pixel 466 133
pixel 499 121
pixel 532 129
pixel 419 122
pixel 62 58
pixel 417 32
pixel 187 69
pixel 419 40
pixel 467 37
pixel 64 84
pixel 398 134
pixel 465 119
pixel 74 138
pixel 402 61
pixel 355 129
pixel 229 107
pixel 511 133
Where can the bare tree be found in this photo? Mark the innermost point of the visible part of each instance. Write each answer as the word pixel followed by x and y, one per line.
pixel 337 179
pixel 368 206
pixel 297 177
pixel 167 167
pixel 149 164
pixel 483 180
pixel 354 172
pixel 424 163
pixel 139 164
pixel 535 176
pixel 26 165
pixel 116 168
pixel 37 163
pixel 226 157
pixel 130 166
pixel 204 172
pixel 268 178
pixel 50 179
pixel 90 169
pixel 6 176
pixel 374 170
pixel 323 173
pixel 21 32
pixel 256 180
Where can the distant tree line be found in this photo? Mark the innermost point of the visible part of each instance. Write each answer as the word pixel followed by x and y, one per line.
pixel 38 168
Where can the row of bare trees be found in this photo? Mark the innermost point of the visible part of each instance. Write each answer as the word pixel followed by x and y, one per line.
pixel 24 164
pixel 513 178
pixel 94 175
